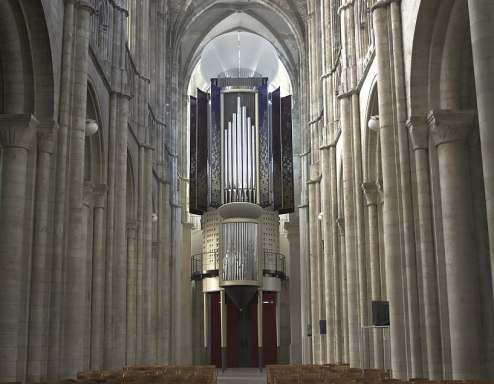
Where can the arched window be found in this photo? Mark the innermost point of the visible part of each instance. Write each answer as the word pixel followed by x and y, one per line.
pixel 336 25
pixel 131 7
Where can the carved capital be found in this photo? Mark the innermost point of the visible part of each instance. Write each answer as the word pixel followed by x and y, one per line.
pixel 371 193
pixel 46 136
pixel 419 132
pixel 340 222
pixel 85 5
pixel 88 194
pixel 292 229
pixel 450 126
pixel 17 130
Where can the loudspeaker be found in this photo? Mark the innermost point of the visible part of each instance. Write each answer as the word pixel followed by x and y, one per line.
pixel 380 313
pixel 322 327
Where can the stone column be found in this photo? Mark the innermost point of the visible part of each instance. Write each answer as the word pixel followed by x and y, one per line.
pixel 119 260
pixel 259 328
pixel 450 130
pixel 405 191
pixel 60 190
pixel 372 199
pixel 131 293
pixel 149 350
pixel 98 278
pixel 482 33
pixel 360 234
pixel 350 231
pixel 343 291
pixel 164 315
pixel 16 136
pixel 184 342
pixel 335 250
pixel 391 213
pixel 314 272
pixel 40 266
pixel 74 308
pixel 223 320
pixel 293 236
pixel 419 135
pixel 328 259
pixel 86 242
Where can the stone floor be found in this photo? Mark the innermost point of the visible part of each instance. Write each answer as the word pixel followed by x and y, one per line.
pixel 242 376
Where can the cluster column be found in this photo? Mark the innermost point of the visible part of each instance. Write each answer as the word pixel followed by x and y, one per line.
pixel 419 135
pixel 75 305
pixel 482 33
pixel 293 236
pixel 40 266
pixel 372 198
pixel 98 278
pixel 16 135
pixel 450 131
pixel 391 213
pixel 315 289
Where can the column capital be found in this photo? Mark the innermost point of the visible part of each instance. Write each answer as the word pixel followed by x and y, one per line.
pixel 88 194
pixel 99 192
pixel 371 193
pixel 46 136
pixel 17 130
pixel 419 132
pixel 292 229
pixel 340 222
pixel 382 4
pixel 448 126
pixel 85 5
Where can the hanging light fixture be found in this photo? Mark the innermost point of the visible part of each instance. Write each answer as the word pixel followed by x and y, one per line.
pixel 91 127
pixel 374 123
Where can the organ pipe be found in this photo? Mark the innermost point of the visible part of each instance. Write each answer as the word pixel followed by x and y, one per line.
pixel 239 156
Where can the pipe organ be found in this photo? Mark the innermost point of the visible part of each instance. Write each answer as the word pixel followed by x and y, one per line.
pixel 241 180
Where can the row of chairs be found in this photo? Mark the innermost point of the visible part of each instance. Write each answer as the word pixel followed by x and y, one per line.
pixel 155 374
pixel 323 374
pixel 342 374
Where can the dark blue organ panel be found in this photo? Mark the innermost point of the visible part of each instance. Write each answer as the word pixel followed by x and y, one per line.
pixel 193 158
pixel 241 146
pixel 286 168
pixel 264 150
pixel 215 144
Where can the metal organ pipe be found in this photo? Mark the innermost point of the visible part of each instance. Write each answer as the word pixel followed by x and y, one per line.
pixel 240 143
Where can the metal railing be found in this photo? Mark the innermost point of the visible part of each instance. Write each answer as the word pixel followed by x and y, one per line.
pixel 204 265
pixel 207 265
pixel 274 265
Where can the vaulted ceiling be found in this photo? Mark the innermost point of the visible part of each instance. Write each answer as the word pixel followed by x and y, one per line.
pixel 196 22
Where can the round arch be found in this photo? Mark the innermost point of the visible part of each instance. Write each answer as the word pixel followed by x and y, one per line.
pixel 260 17
pixel 26 60
pixel 94 152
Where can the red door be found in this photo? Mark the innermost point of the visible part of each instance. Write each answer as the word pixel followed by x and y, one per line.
pixel 242 332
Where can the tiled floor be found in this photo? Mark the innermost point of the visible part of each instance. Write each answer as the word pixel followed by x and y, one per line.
pixel 242 376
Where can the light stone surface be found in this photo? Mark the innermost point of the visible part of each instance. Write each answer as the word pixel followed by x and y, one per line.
pixel 90 281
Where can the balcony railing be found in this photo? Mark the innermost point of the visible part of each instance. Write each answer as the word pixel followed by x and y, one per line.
pixel 205 265
pixel 274 265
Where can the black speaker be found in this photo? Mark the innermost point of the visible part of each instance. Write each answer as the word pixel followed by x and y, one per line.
pixel 380 313
pixel 322 327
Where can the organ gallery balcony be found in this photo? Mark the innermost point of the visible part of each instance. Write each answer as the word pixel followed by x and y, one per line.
pixel 207 265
